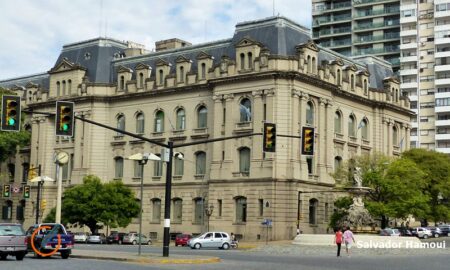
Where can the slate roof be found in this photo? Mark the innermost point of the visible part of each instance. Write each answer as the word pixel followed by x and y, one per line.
pixel 278 34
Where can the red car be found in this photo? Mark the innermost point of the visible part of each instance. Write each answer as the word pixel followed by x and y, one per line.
pixel 182 239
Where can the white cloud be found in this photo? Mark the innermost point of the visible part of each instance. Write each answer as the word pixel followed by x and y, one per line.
pixel 33 32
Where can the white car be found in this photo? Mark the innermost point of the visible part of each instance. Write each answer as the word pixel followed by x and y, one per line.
pixel 211 240
pixel 422 232
pixel 80 237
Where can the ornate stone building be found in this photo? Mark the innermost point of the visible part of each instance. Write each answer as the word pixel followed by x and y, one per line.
pixel 269 71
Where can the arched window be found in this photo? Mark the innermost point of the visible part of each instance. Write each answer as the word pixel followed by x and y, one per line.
pixel 11 171
pixel 177 213
pixel 141 80
pixel 202 117
pixel 7 210
pixel 309 113
pixel 313 203
pixel 313 65
pixel 161 77
pixel 352 82
pixel 245 109
pixel 365 87
pixel 337 163
pixel 338 77
pixel 181 79
pixel 250 60
pixel 20 210
pixel 58 89
pixel 120 123
pixel 118 167
pixel 63 88
pixel 364 129
pixel 159 121
pixel 244 160
pixel 179 166
pixel 140 123
pixel 200 163
pixel 351 126
pixel 242 61
pixel 396 95
pixel 122 83
pixel 25 170
pixel 156 210
pixel 395 136
pixel 69 87
pixel 181 119
pixel 203 71
pixel 337 122
pixel 198 211
pixel 308 64
pixel 241 209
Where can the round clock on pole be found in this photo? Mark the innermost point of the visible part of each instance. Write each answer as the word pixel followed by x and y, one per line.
pixel 62 157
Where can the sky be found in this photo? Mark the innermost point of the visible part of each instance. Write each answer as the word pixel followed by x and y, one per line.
pixel 34 31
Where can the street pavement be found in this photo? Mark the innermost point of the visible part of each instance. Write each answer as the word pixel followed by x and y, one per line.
pixel 278 255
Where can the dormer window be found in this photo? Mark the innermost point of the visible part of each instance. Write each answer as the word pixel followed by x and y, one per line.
pixel 64 88
pixel 87 56
pixel 338 77
pixel 352 82
pixel 250 60
pixel 69 86
pixel 203 71
pixel 141 80
pixel 161 77
pixel 181 79
pixel 122 83
pixel 313 65
pixel 242 61
pixel 365 86
pixel 58 89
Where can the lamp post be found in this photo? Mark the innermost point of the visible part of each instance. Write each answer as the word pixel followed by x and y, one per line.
pixel 40 180
pixel 142 160
pixel 208 212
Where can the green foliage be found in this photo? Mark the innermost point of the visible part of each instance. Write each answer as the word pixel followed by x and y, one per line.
pixel 91 203
pixel 10 140
pixel 341 205
pixel 436 167
pixel 51 217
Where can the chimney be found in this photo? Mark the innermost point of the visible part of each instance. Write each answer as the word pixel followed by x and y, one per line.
pixel 172 43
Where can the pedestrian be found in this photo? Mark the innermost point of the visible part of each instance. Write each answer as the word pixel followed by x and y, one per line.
pixel 338 241
pixel 348 240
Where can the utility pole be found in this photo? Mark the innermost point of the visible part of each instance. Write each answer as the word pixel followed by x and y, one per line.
pixel 38 199
pixel 167 199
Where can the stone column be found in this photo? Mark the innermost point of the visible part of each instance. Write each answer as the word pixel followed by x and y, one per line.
pixel 407 142
pixel 296 129
pixel 217 128
pixel 329 143
pixel 257 119
pixel 232 117
pixel 321 146
pixel 389 125
pixel 303 99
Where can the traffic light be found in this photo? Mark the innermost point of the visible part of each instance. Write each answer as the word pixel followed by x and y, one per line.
pixel 43 204
pixel 270 137
pixel 32 172
pixel 6 191
pixel 64 118
pixel 308 141
pixel 10 113
pixel 26 191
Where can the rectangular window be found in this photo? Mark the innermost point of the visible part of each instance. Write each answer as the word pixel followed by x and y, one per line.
pixel 157 167
pixel 219 206
pixel 265 111
pixel 137 169
pixel 65 171
pixel 309 161
pixel 224 118
pixel 261 207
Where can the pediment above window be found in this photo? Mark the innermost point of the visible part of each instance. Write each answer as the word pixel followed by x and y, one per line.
pixel 203 55
pixel 161 62
pixel 337 61
pixel 65 65
pixel 31 85
pixel 247 41
pixel 307 45
pixel 182 59
pixel 121 69
pixel 363 72
pixel 350 67
pixel 142 66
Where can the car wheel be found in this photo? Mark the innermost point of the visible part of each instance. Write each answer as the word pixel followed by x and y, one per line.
pixel 65 255
pixel 120 242
pixel 134 243
pixel 197 246
pixel 436 235
pixel 425 236
pixel 149 242
pixel 176 245
pixel 3 257
pixel 20 256
pixel 226 246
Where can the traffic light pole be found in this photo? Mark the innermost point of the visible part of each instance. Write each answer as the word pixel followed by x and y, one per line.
pixel 167 200
pixel 38 199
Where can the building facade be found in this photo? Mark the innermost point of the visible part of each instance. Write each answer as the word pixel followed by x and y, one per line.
pixel 425 72
pixel 269 71
pixel 359 27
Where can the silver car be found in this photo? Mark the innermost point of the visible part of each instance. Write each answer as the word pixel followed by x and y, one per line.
pixel 211 240
pixel 12 241
pixel 134 238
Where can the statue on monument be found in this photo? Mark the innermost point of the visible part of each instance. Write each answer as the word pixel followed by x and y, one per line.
pixel 357 177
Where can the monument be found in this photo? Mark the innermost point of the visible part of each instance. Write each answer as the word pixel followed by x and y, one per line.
pixel 358 216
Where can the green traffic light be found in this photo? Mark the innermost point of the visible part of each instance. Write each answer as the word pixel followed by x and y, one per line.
pixel 65 127
pixel 11 121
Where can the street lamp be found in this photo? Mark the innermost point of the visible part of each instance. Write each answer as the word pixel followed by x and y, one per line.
pixel 40 180
pixel 208 212
pixel 142 158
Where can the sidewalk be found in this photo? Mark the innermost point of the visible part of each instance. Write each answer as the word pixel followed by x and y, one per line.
pixel 145 258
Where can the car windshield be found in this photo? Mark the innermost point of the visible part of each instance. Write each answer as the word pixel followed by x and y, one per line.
pixel 11 230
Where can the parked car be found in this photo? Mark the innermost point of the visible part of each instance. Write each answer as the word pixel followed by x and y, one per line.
pixel 134 238
pixel 182 239
pixel 80 237
pixel 97 238
pixel 404 231
pixel 211 240
pixel 436 232
pixel 115 237
pixel 421 232
pixel 46 239
pixel 390 232
pixel 445 229
pixel 13 241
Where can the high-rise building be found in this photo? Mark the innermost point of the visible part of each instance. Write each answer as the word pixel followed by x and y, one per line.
pixel 359 27
pixel 425 70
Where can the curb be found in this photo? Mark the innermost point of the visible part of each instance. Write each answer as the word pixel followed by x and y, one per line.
pixel 151 261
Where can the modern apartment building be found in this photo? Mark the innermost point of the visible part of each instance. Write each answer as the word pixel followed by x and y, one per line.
pixel 268 71
pixel 359 27
pixel 425 70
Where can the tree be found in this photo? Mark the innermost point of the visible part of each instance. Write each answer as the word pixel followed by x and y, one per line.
pixel 396 186
pixel 91 203
pixel 338 217
pixel 51 217
pixel 10 140
pixel 436 167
